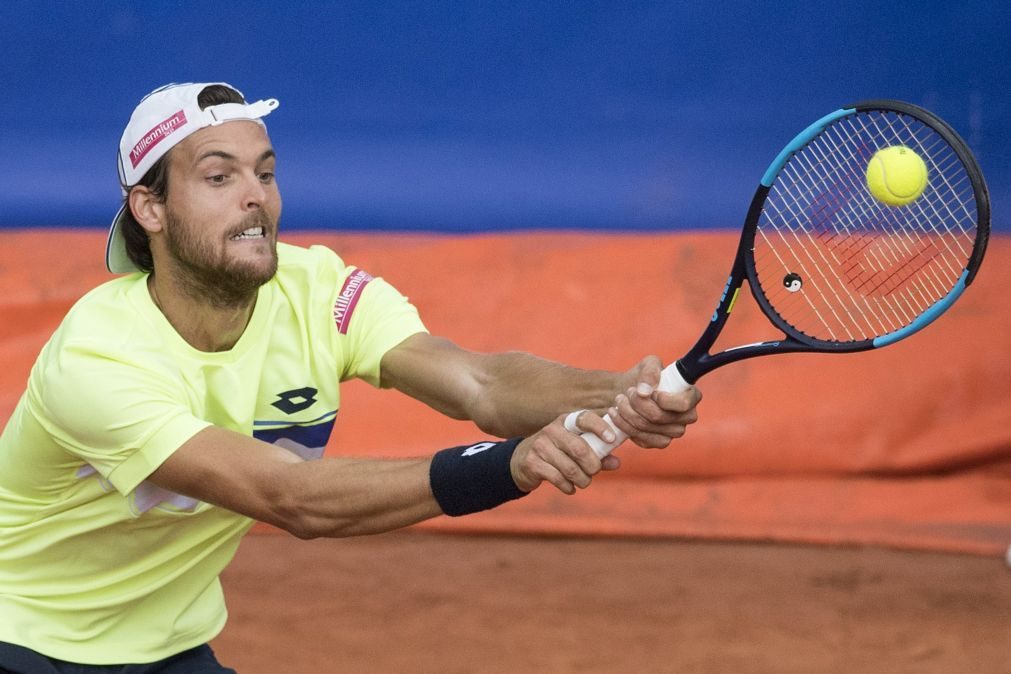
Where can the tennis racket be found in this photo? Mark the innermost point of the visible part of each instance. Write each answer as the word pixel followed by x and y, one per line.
pixel 832 267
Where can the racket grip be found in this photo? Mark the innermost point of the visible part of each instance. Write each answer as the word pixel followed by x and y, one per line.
pixel 671 381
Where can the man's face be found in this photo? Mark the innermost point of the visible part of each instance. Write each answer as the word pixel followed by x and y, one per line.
pixel 222 210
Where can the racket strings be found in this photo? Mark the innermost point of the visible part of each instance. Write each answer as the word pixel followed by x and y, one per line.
pixel 861 211
pixel 837 264
pixel 868 267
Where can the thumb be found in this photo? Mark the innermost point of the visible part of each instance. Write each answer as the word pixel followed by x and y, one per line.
pixel 649 375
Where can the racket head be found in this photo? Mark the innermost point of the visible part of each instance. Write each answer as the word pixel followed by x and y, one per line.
pixel 836 269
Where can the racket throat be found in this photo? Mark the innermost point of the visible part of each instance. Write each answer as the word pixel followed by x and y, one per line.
pixel 699 361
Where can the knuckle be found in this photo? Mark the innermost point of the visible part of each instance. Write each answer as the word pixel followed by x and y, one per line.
pixel 681 402
pixel 540 448
pixel 590 463
pixel 681 405
pixel 580 451
pixel 572 473
pixel 622 423
pixel 654 415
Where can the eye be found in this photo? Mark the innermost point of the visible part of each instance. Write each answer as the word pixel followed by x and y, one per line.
pixel 267 177
pixel 217 179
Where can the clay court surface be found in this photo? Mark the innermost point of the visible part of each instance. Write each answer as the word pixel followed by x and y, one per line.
pixel 434 602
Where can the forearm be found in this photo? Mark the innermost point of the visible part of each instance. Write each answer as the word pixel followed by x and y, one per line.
pixel 325 497
pixel 338 497
pixel 506 394
pixel 522 393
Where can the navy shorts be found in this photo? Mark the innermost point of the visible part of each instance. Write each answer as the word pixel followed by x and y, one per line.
pixel 20 660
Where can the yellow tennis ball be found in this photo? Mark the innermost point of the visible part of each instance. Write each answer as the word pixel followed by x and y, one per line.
pixel 896 175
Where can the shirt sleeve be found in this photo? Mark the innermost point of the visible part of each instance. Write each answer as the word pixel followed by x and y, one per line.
pixel 123 419
pixel 370 317
pixel 382 319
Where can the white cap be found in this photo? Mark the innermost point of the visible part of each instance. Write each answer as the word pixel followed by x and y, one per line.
pixel 162 120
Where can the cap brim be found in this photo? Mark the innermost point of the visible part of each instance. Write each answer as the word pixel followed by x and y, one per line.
pixel 116 259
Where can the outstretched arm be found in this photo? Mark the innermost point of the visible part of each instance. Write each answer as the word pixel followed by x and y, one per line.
pixel 513 393
pixel 337 497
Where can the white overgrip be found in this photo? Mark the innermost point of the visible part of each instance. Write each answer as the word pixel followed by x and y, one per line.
pixel 671 381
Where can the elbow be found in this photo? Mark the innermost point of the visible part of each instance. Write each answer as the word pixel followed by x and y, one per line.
pixel 307 527
pixel 304 534
pixel 301 523
pixel 499 424
pixel 483 412
pixel 288 513
pixel 291 511
pixel 301 528
pixel 299 519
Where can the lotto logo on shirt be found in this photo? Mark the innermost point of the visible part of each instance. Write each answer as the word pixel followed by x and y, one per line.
pixel 348 298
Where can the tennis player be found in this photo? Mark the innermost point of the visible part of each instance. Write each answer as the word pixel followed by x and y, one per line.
pixel 194 394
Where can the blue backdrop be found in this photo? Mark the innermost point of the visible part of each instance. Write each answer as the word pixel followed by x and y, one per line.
pixel 462 116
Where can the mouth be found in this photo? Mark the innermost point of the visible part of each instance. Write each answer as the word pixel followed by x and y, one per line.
pixel 251 233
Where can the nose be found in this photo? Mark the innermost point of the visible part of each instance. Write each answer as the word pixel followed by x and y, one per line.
pixel 255 195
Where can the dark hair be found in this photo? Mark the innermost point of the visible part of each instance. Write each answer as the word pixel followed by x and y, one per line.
pixel 138 246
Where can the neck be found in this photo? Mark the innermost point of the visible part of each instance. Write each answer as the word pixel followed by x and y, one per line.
pixel 207 322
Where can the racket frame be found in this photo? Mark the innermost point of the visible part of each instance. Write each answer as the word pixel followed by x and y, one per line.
pixel 699 361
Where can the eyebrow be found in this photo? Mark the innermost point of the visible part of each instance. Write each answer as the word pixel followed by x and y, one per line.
pixel 267 154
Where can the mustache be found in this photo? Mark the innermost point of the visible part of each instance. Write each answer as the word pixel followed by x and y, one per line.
pixel 257 218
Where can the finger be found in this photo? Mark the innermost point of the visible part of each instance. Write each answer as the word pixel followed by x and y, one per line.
pixel 621 422
pixel 645 433
pixel 658 440
pixel 531 469
pixel 571 421
pixel 680 409
pixel 631 414
pixel 574 446
pixel 557 480
pixel 647 409
pixel 610 462
pixel 681 401
pixel 649 372
pixel 641 390
pixel 565 453
pixel 589 422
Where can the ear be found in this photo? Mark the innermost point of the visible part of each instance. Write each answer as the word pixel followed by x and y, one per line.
pixel 148 210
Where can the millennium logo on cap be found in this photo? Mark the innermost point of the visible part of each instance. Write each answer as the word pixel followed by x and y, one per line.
pixel 155 136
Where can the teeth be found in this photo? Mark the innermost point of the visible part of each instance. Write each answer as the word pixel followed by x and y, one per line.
pixel 251 233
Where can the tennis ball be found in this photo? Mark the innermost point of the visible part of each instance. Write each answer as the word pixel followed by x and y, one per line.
pixel 896 175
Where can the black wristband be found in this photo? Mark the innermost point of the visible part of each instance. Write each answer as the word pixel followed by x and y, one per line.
pixel 472 478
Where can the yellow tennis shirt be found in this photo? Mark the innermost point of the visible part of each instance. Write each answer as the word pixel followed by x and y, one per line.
pixel 99 566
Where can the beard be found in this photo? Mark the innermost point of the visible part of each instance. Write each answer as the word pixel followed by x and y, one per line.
pixel 206 272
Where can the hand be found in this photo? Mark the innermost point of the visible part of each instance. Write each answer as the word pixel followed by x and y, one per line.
pixel 653 418
pixel 555 455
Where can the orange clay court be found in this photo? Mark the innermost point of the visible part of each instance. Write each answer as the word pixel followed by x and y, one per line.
pixel 828 513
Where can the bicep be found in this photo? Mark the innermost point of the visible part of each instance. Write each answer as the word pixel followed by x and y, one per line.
pixel 437 372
